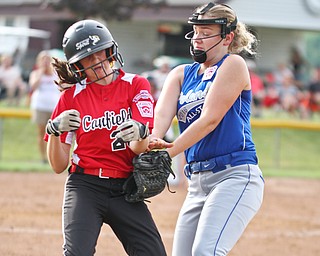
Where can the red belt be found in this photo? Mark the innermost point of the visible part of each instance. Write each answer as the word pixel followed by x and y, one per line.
pixel 100 172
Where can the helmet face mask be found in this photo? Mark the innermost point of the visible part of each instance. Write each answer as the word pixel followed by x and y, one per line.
pixel 196 19
pixel 79 71
pixel 87 37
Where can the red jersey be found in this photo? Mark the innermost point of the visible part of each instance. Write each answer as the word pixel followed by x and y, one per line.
pixel 102 109
pixel 256 83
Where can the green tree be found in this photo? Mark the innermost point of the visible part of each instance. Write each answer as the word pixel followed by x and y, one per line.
pixel 106 9
pixel 312 40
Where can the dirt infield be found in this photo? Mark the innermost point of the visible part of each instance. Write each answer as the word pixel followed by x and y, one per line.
pixel 30 218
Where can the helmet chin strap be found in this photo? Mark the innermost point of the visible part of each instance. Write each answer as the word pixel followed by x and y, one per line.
pixel 200 56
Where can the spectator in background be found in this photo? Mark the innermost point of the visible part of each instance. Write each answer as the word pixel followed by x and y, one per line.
pixel 11 80
pixel 282 73
pixel 297 63
pixel 288 92
pixel 271 99
pixel 159 74
pixel 44 97
pixel 154 89
pixel 155 92
pixel 2 88
pixel 311 103
pixel 257 89
pixel 156 78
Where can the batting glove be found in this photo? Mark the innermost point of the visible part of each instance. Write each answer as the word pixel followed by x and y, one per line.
pixel 68 120
pixel 132 130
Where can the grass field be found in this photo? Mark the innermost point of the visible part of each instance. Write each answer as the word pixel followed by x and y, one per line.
pixel 281 152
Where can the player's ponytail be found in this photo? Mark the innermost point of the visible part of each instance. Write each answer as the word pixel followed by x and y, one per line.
pixel 66 76
pixel 243 40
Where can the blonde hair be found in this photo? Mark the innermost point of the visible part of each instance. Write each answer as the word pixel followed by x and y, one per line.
pixel 42 54
pixel 243 39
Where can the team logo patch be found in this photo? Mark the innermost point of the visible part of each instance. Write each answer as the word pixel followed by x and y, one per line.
pixel 145 108
pixel 92 39
pixel 144 94
pixel 190 111
pixel 208 74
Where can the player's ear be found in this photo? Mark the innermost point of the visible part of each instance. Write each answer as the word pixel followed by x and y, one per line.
pixel 228 39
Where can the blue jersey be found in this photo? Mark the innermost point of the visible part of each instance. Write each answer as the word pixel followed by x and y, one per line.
pixel 233 134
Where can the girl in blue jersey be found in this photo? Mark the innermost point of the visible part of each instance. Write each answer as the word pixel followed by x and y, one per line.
pixel 211 99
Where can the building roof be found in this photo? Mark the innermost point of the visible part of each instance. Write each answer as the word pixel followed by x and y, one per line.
pixel 24 32
pixel 286 14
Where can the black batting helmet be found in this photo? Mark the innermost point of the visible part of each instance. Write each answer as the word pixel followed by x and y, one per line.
pixel 87 37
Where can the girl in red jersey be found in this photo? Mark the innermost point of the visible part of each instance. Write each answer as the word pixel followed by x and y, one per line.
pixel 105 112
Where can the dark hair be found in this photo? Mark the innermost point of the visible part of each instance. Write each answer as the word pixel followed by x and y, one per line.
pixel 66 76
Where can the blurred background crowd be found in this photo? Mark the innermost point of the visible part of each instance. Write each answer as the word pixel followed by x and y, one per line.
pixel 292 88
pixel 150 33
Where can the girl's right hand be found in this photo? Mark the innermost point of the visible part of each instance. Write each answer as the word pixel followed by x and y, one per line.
pixel 157 143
